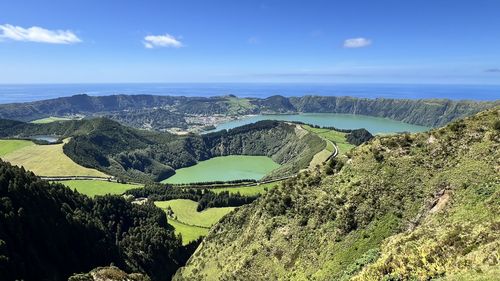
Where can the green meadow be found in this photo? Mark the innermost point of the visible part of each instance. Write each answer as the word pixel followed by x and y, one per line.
pixel 92 188
pixel 190 223
pixel 8 146
pixel 188 232
pixel 44 160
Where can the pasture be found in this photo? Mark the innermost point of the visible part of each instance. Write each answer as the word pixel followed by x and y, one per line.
pixel 188 232
pixel 48 160
pixel 190 223
pixel 92 188
pixel 9 146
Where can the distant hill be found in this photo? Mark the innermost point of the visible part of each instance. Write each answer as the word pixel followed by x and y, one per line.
pixel 161 112
pixel 406 207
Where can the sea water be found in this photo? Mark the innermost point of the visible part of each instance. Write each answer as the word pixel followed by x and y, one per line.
pixel 32 92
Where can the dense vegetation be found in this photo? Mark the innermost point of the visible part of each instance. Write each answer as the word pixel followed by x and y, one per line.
pixel 161 112
pixel 48 232
pixel 358 136
pixel 404 207
pixel 146 156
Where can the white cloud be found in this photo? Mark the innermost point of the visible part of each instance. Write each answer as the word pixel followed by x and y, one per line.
pixel 37 34
pixel 357 42
pixel 167 40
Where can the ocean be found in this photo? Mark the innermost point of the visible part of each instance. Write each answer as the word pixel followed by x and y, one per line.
pixel 32 92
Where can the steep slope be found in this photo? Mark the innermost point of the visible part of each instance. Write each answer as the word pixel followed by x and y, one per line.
pixel 417 206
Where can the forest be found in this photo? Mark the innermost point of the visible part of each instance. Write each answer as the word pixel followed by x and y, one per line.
pixel 48 232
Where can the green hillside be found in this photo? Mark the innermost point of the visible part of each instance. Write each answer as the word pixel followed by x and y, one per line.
pixel 405 207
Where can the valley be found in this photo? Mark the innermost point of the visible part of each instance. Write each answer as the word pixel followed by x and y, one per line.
pixel 275 174
pixel 249 140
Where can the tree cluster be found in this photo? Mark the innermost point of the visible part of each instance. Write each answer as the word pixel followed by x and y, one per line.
pixel 48 232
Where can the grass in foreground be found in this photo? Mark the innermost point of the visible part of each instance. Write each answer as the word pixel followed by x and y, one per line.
pixel 49 120
pixel 248 190
pixel 92 188
pixel 48 160
pixel 8 146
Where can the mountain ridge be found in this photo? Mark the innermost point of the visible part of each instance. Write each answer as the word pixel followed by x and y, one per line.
pixel 170 111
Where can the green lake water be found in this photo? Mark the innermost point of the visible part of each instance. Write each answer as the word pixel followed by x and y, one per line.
pixel 225 168
pixel 374 125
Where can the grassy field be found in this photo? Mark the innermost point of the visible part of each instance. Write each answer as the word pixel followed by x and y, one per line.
pixel 188 232
pixel 190 223
pixel 247 190
pixel 333 136
pixel 49 120
pixel 8 146
pixel 185 211
pixel 47 160
pixel 96 187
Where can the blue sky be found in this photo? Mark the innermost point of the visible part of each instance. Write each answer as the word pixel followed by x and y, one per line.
pixel 383 41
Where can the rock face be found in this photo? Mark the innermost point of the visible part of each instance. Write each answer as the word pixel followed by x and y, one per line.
pixel 110 273
pixel 406 207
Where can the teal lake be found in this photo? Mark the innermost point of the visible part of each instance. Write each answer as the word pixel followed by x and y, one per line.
pixel 374 125
pixel 225 168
